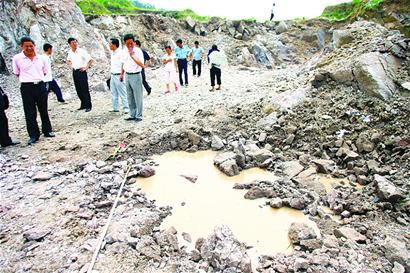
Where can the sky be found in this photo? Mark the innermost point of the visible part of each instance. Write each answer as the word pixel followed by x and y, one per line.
pixel 259 9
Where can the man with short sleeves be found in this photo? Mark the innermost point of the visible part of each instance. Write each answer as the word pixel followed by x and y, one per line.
pixel 197 58
pixel 80 61
pixel 117 86
pixel 132 65
pixel 182 53
pixel 31 69
pixel 147 59
pixel 51 83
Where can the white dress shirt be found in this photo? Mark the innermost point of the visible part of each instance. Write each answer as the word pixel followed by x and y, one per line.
pixel 116 61
pixel 49 76
pixel 130 66
pixel 79 58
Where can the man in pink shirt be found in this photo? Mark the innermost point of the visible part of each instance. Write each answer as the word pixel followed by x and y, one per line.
pixel 31 70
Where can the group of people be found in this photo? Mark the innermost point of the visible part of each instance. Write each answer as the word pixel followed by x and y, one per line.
pixel 126 82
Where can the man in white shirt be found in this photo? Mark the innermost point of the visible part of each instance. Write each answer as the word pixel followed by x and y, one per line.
pixel 51 83
pixel 132 65
pixel 80 61
pixel 117 86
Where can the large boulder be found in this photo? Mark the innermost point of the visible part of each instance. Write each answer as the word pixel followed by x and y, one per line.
pixel 341 37
pixel 282 27
pixel 396 251
pixel 225 253
pixel 262 55
pixel 387 191
pixel 374 72
pixel 226 163
pixel 300 231
pixel 247 58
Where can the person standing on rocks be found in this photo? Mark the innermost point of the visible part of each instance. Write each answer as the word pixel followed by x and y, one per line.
pixel 132 65
pixel 51 83
pixel 80 61
pixel 170 70
pixel 272 14
pixel 197 58
pixel 5 139
pixel 117 86
pixel 182 53
pixel 216 60
pixel 31 70
pixel 147 60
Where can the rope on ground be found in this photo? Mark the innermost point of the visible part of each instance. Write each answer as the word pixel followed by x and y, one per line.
pixel 101 240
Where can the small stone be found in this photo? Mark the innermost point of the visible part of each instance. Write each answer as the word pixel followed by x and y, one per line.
pixel 146 171
pixel 42 176
pixel 300 264
pixel 289 140
pixel 187 237
pixel 87 215
pixel 36 234
pixel 276 203
pixel 300 231
pixel 262 137
pixel 217 143
pixel 190 178
pixel 100 164
pixel 345 214
pixel 398 268
pixel 324 166
pixel 349 233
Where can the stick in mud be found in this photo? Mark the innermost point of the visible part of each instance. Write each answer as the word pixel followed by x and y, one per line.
pixel 100 241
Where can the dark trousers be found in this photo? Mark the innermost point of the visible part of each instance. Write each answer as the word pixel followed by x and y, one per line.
pixel 35 98
pixel 81 86
pixel 197 64
pixel 215 73
pixel 183 67
pixel 144 82
pixel 4 129
pixel 53 87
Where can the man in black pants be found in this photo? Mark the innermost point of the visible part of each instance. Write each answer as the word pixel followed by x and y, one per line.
pixel 147 59
pixel 31 70
pixel 215 59
pixel 197 58
pixel 5 139
pixel 182 53
pixel 51 83
pixel 80 61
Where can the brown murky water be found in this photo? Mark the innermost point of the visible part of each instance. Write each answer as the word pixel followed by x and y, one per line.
pixel 330 182
pixel 198 208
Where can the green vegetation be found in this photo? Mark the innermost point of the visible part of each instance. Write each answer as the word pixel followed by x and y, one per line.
pixel 106 7
pixel 348 10
pixel 182 14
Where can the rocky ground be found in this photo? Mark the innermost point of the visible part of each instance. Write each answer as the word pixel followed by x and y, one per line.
pixel 336 102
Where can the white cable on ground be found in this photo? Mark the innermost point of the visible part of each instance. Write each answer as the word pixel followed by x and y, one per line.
pixel 101 240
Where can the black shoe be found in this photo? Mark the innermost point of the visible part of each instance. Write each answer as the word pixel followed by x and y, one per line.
pixel 149 92
pixel 12 143
pixel 62 101
pixel 130 118
pixel 50 134
pixel 32 140
pixel 88 110
pixel 113 111
pixel 81 108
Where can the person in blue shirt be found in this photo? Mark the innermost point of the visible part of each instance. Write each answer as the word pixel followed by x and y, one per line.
pixel 182 54
pixel 147 59
pixel 197 58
